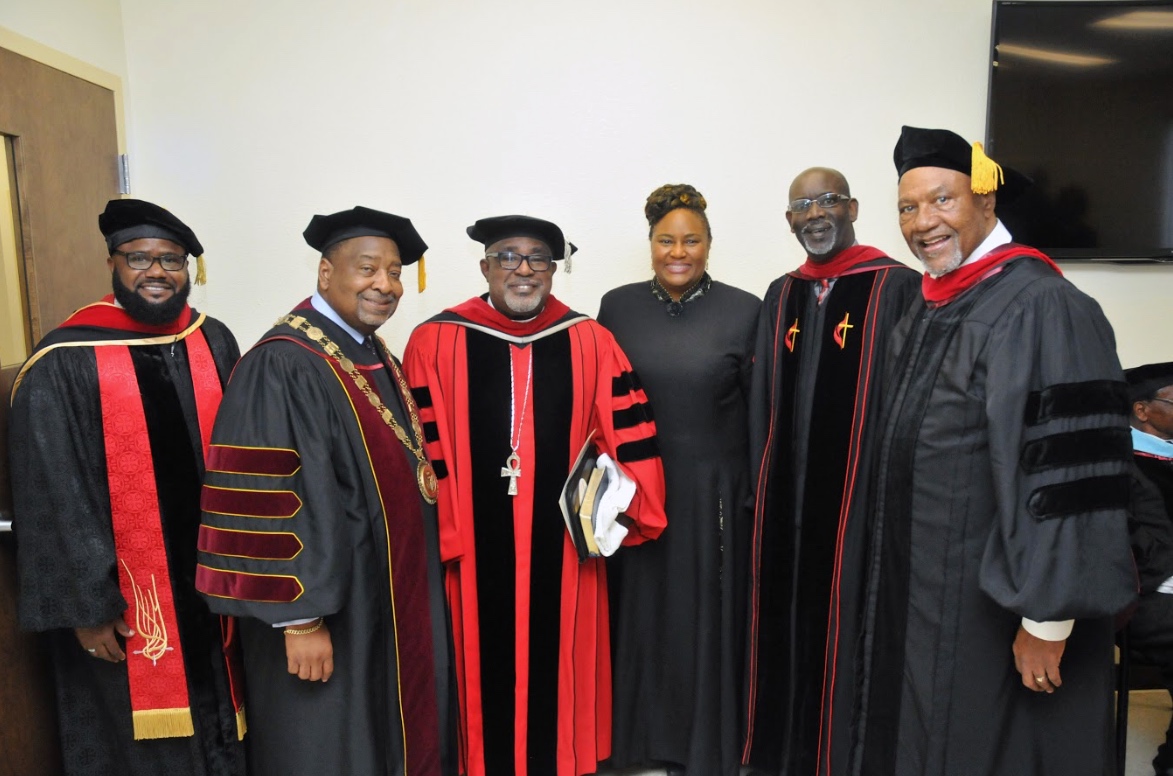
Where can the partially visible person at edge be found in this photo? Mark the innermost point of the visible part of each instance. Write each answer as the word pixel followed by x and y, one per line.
pixel 511 385
pixel 111 417
pixel 1000 506
pixel 1150 630
pixel 676 603
pixel 821 343
pixel 319 526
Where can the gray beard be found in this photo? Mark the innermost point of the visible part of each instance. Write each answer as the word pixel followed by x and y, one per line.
pixel 522 305
pixel 823 245
pixel 953 263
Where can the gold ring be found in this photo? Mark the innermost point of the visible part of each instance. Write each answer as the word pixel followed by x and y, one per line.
pixel 1040 679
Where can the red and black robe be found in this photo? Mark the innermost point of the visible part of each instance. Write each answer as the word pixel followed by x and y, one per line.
pixel 530 622
pixel 815 387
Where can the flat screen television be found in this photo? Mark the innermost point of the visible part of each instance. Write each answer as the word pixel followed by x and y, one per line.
pixel 1081 101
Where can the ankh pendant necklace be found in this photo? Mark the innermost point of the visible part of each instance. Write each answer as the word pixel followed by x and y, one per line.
pixel 512 467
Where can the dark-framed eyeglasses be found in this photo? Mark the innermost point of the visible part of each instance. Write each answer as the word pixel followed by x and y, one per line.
pixel 172 262
pixel 1158 398
pixel 825 201
pixel 538 262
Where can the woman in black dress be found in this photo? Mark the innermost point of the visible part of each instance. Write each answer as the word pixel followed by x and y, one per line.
pixel 677 604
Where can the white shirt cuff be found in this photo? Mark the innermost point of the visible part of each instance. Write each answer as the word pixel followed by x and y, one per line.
pixel 1055 630
pixel 1166 586
pixel 292 623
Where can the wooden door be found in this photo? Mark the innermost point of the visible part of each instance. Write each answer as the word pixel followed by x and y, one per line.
pixel 60 139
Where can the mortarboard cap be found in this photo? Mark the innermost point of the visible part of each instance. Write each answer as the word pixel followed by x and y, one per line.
pixel 359 221
pixel 489 230
pixel 919 147
pixel 1144 381
pixel 125 220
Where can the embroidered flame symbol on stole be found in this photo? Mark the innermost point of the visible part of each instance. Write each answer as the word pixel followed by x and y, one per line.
pixel 148 620
pixel 791 333
pixel 841 328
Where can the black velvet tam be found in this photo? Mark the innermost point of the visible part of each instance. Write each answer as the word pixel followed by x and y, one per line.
pixel 489 230
pixel 919 147
pixel 359 221
pixel 125 220
pixel 1145 381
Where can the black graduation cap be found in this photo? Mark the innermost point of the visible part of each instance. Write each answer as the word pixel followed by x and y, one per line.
pixel 919 147
pixel 1144 381
pixel 125 220
pixel 360 221
pixel 489 230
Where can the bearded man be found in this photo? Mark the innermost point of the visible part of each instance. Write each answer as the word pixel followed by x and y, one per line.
pixel 511 385
pixel 823 328
pixel 111 419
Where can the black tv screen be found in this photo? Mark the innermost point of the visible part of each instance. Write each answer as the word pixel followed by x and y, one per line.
pixel 1081 101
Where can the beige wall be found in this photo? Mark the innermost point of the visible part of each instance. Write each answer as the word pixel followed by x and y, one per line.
pixel 89 30
pixel 248 118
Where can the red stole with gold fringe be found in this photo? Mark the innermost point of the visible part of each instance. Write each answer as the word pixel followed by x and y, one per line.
pixel 155 668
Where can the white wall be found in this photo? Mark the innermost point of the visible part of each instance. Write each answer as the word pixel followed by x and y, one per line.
pixel 249 117
pixel 89 30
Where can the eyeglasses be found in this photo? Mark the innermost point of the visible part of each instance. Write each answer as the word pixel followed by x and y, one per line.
pixel 171 262
pixel 538 262
pixel 825 201
pixel 1158 398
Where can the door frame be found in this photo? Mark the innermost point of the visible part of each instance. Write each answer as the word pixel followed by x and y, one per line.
pixel 58 60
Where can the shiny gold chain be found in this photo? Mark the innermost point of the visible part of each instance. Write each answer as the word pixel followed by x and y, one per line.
pixel 333 351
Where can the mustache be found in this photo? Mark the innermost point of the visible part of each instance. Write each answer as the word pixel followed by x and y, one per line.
pixel 375 296
pixel 820 224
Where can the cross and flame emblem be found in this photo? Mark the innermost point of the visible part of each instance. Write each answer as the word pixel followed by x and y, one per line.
pixel 148 620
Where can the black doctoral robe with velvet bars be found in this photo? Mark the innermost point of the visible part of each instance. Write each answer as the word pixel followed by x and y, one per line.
pixel 816 386
pixel 311 508
pixel 1002 489
pixel 530 621
pixel 65 546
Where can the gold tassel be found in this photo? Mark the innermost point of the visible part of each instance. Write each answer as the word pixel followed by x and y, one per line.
pixel 241 724
pixel 201 271
pixel 423 275
pixel 985 174
pixel 162 723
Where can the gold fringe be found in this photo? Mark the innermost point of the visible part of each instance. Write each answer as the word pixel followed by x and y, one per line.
pixel 241 724
pixel 162 723
pixel 985 174
pixel 423 275
pixel 201 271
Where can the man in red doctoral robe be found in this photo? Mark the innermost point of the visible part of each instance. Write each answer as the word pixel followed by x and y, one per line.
pixel 510 387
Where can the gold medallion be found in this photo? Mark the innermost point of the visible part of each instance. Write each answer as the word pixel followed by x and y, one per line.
pixel 425 475
pixel 429 485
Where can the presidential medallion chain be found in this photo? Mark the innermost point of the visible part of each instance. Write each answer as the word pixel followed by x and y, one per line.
pixel 425 476
pixel 512 467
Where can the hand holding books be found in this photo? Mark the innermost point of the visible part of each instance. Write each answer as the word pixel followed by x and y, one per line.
pixel 593 500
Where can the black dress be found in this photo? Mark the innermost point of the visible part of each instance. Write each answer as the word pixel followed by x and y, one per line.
pixel 677 604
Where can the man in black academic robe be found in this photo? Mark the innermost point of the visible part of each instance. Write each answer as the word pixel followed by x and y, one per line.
pixel 1150 630
pixel 1000 543
pixel 821 339
pixel 319 527
pixel 71 551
